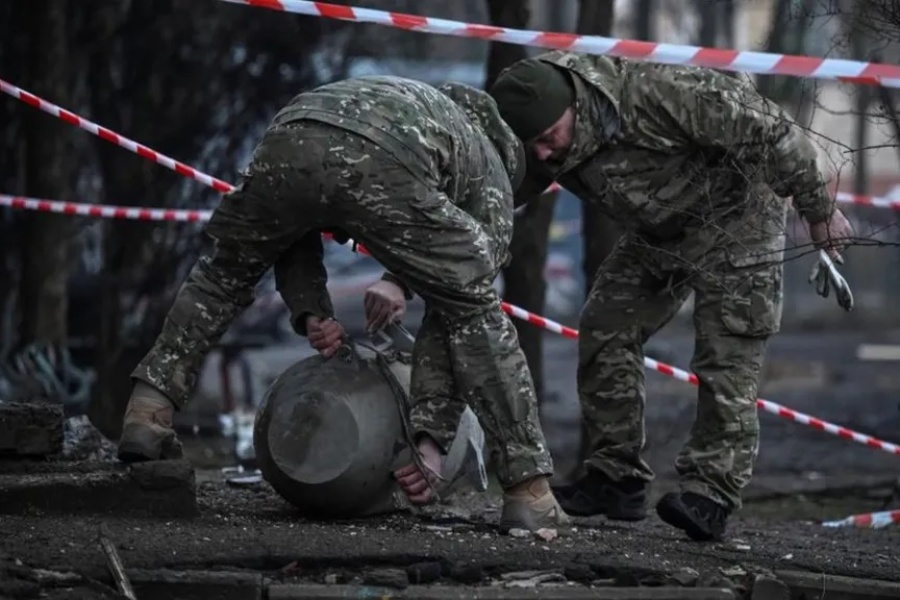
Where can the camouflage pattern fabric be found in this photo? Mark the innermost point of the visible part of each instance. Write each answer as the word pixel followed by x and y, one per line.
pixel 691 143
pixel 399 167
pixel 737 306
pixel 693 164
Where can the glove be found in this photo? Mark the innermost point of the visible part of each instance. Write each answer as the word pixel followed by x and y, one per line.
pixel 825 276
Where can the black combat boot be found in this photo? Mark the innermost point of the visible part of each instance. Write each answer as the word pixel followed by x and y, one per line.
pixel 701 518
pixel 598 494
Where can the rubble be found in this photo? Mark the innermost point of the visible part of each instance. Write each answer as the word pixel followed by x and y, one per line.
pixel 159 488
pixel 31 429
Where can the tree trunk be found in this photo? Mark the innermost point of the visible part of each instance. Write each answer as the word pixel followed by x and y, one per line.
pixel 48 238
pixel 708 12
pixel 599 233
pixel 523 278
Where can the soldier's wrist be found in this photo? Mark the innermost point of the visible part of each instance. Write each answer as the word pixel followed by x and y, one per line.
pixel 388 276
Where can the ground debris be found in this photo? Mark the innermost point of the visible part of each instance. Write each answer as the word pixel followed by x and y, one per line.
pixel 31 429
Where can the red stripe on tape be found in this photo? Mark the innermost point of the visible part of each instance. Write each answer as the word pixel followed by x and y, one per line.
pixel 714 57
pixel 484 32
pixel 633 48
pixel 145 152
pixel 273 4
pixel 797 65
pixel 881 71
pixel 557 40
pixel 335 11
pixel 408 21
pixel 70 118
pixel 108 135
pixel 29 99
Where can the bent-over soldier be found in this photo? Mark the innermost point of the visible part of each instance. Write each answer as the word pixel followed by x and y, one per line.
pixel 693 164
pixel 424 179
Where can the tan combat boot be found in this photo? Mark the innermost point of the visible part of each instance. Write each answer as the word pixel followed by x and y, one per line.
pixel 531 505
pixel 147 432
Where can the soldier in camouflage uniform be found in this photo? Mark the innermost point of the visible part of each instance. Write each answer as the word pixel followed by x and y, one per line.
pixel 693 164
pixel 424 178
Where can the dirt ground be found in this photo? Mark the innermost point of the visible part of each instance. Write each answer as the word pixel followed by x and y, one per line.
pixel 251 528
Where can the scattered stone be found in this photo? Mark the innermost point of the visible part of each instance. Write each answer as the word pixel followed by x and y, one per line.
pixel 83 441
pixel 766 587
pixel 530 579
pixel 685 576
pixel 331 578
pixel 425 572
pixel 517 532
pixel 154 488
pixel 733 571
pixel 392 578
pixel 30 429
pixel 546 534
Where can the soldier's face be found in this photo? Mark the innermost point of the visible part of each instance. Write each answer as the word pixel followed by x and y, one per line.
pixel 554 143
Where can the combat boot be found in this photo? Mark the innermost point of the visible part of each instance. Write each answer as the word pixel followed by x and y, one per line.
pixel 598 494
pixel 701 518
pixel 531 505
pixel 147 432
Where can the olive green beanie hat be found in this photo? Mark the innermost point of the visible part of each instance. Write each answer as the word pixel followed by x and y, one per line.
pixel 531 96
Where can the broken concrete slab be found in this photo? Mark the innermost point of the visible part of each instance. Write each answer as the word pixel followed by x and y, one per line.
pixel 157 488
pixel 816 586
pixel 29 429
pixel 163 584
pixel 334 592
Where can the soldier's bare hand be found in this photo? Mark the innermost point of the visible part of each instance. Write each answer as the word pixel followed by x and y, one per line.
pixel 385 304
pixel 325 335
pixel 833 234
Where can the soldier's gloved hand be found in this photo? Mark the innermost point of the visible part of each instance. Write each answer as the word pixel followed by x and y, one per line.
pixel 385 303
pixel 325 335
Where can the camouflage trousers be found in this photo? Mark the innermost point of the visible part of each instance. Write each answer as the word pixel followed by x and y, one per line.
pixel 307 177
pixel 737 284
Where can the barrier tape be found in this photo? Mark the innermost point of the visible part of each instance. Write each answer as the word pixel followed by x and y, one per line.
pixel 508 308
pixel 875 520
pixel 676 373
pixel 850 71
pixel 115 138
pixel 107 211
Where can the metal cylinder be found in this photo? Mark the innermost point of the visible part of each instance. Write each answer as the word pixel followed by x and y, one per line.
pixel 328 433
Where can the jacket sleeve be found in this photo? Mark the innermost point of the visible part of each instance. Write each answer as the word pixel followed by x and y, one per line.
pixel 388 276
pixel 755 130
pixel 300 278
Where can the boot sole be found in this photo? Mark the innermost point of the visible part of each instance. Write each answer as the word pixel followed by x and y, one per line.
pixel 676 518
pixel 140 443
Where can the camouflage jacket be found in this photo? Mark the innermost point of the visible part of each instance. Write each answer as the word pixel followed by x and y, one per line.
pixel 438 137
pixel 688 143
pixel 443 136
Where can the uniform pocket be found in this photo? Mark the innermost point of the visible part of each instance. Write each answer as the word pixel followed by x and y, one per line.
pixel 752 306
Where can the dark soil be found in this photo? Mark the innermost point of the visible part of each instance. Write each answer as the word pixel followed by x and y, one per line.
pixel 252 528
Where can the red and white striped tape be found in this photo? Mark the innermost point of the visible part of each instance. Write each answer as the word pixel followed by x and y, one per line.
pixel 875 520
pixel 676 373
pixel 113 137
pixel 730 60
pixel 107 211
pixel 104 211
pixel 510 309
